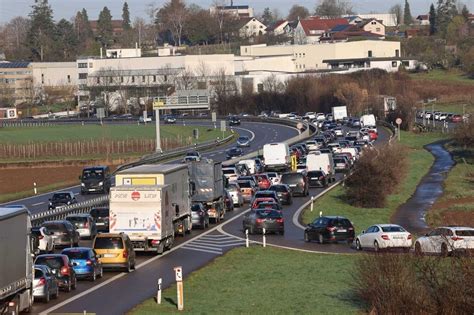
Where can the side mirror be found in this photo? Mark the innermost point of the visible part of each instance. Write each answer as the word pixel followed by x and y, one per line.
pixel 427 234
pixel 99 256
pixel 80 177
pixel 363 231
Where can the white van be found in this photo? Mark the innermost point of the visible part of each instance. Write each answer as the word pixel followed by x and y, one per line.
pixel 276 156
pixel 251 164
pixel 352 151
pixel 316 161
pixel 231 173
pixel 367 120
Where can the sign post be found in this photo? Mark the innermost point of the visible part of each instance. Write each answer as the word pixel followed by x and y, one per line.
pixel 157 104
pixel 294 162
pixel 223 128
pixel 399 122
pixel 158 293
pixel 179 287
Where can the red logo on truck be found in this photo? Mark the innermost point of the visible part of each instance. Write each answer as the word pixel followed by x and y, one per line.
pixel 135 195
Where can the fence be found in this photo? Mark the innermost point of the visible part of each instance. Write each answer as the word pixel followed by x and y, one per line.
pixel 87 148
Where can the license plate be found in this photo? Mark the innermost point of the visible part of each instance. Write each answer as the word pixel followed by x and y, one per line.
pixel 398 237
pixel 109 255
pixel 293 185
pixel 99 223
pixel 342 230
pixel 314 178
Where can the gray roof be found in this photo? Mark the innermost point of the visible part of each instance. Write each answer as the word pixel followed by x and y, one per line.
pixel 154 168
pixel 12 211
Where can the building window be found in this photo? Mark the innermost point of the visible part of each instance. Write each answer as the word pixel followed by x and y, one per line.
pixel 68 78
pixel 377 29
pixel 260 87
pixel 82 65
pixel 143 79
pixel 394 64
pixel 304 54
pixel 90 65
pixel 154 78
pixel 82 76
pixel 98 80
pixel 42 78
pixel 133 79
pixel 121 79
pixel 111 80
pixel 165 78
pixel 397 53
pixel 370 53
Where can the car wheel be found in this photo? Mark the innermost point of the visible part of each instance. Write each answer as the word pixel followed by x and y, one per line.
pixel 129 267
pixel 406 249
pixel 358 246
pixel 321 239
pixel 56 294
pixel 444 250
pixel 133 265
pixel 68 288
pixel 306 237
pixel 376 246
pixel 282 232
pixel 47 296
pixel 251 229
pixel 101 273
pixel 418 250
pixel 74 284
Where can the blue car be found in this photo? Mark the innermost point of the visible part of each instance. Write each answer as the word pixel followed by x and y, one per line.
pixel 85 262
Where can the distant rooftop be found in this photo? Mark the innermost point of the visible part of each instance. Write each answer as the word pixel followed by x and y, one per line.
pixel 14 64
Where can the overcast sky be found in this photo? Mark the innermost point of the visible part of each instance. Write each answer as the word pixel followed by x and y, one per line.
pixel 68 8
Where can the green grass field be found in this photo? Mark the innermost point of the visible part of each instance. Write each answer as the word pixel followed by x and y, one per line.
pixel 456 108
pixel 419 162
pixel 259 280
pixel 60 133
pixel 452 76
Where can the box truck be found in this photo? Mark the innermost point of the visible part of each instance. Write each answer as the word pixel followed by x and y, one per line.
pixel 316 161
pixel 339 112
pixel 16 264
pixel 146 214
pixel 367 121
pixel 276 156
pixel 207 183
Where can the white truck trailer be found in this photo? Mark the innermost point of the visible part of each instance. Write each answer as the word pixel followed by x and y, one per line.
pixel 174 175
pixel 316 161
pixel 276 156
pixel 339 112
pixel 16 262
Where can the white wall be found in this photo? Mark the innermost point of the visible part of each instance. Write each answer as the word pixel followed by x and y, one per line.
pixel 54 74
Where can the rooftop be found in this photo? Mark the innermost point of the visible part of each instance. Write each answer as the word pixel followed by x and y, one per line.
pixel 15 64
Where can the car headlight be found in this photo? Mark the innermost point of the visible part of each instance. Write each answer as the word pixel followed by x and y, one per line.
pixel 50 203
pixel 101 183
pixel 82 184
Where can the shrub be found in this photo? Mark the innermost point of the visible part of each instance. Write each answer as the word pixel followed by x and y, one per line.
pixel 375 176
pixel 464 134
pixel 406 284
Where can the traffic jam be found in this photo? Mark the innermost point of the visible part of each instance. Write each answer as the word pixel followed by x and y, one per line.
pixel 151 205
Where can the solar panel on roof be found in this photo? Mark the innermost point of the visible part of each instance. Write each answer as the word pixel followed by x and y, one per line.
pixel 14 64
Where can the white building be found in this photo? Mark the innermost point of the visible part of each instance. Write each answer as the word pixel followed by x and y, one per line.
pixel 54 74
pixel 251 27
pixel 243 11
pixel 373 26
pixel 387 19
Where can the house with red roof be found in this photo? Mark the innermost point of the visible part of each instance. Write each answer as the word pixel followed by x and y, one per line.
pixel 423 19
pixel 279 27
pixel 310 30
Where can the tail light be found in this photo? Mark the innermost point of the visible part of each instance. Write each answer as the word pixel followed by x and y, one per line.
pixel 385 237
pixel 42 281
pixel 280 220
pixel 40 237
pixel 350 229
pixel 321 177
pixel 409 237
pixel 331 228
pixel 125 254
pixel 259 221
pixel 86 225
pixel 456 238
pixel 153 243
pixel 64 271
pixel 88 262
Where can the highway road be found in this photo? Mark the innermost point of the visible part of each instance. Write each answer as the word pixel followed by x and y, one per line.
pixel 118 292
pixel 261 133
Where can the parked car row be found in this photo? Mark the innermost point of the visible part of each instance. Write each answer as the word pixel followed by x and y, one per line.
pixel 442 116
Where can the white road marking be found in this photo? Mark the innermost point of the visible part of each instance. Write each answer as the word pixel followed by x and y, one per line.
pixel 203 250
pixel 204 246
pixel 37 204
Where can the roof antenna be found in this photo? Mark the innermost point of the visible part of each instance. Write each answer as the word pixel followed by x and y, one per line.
pixel 231 3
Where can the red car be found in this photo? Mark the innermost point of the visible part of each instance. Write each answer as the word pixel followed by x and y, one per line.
pixel 263 181
pixel 373 135
pixel 456 119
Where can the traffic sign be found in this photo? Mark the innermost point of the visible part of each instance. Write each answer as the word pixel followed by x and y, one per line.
pixel 223 126
pixel 398 121
pixel 214 116
pixel 157 104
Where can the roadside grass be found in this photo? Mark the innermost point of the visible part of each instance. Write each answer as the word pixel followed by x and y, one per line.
pixel 64 133
pixel 451 76
pixel 259 280
pixel 40 190
pixel 458 195
pixel 419 162
pixel 453 107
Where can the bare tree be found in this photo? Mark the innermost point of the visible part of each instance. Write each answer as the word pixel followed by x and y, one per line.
pixel 351 95
pixel 220 16
pixel 398 11
pixel 173 15
pixel 13 38
pixel 273 84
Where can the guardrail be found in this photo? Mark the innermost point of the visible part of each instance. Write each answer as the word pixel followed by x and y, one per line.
pixel 86 206
pixel 389 126
pixel 61 212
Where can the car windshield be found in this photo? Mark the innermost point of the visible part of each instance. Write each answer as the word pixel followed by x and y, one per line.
pixel 315 174
pixel 263 194
pixel 76 254
pixel 74 220
pixel 243 138
pixel 268 213
pixel 108 243
pixel 292 178
pixel 272 175
pixel 228 171
pixel 53 262
pixel 393 228
pixel 280 188
pixel 233 187
pixel 55 227
pixel 92 174
pixel 465 232
pixel 267 205
pixel 38 273
pixel 195 208
pixel 99 212
pixel 245 184
pixel 61 196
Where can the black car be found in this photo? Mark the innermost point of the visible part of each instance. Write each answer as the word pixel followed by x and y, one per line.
pixel 61 267
pixel 317 179
pixel 297 182
pixel 95 179
pixel 61 199
pixel 101 217
pixel 258 219
pixel 234 121
pixel 63 232
pixel 267 194
pixel 233 152
pixel 269 205
pixel 330 229
pixel 283 192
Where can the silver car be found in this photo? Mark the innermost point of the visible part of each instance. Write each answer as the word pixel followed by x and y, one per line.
pixel 199 215
pixel 84 224
pixel 243 141
pixel 45 284
pixel 236 194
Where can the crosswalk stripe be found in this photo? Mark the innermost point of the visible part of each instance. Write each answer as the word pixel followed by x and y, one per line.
pixel 202 250
pixel 204 246
pixel 234 244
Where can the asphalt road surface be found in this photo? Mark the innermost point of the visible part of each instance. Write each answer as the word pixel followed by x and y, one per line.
pixel 260 133
pixel 117 292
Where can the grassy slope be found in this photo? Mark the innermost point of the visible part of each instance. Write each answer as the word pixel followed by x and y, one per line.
pixel 420 161
pixel 453 76
pixel 257 280
pixel 59 133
